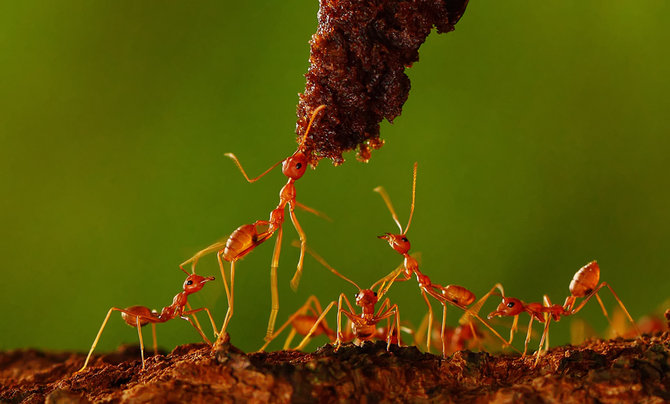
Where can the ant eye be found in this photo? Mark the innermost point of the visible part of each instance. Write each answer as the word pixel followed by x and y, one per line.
pixel 375 293
pixel 355 295
pixel 189 283
pixel 298 166
pixel 405 239
pixel 510 304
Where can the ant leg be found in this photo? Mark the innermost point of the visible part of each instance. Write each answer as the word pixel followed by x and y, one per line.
pixel 289 339
pixel 475 308
pixel 223 274
pixel 302 310
pixel 202 334
pixel 312 211
pixel 340 310
pixel 545 334
pixel 197 325
pixel 303 243
pixel 595 292
pixel 444 321
pixel 231 298
pixel 530 329
pixel 190 309
pixel 139 332
pixel 512 330
pixel 97 337
pixel 418 335
pixel 219 245
pixel 153 333
pixel 273 285
pixel 237 162
pixel 393 310
pixel 430 320
pixel 315 326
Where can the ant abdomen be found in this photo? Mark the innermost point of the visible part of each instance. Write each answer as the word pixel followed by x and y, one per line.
pixel 585 280
pixel 458 295
pixel 140 312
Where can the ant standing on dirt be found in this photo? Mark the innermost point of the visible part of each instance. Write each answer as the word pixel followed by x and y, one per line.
pixel 247 237
pixel 363 326
pixel 584 284
pixel 452 294
pixel 139 316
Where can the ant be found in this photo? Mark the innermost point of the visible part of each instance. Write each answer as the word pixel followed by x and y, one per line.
pixel 139 316
pixel 363 326
pixel 452 294
pixel 584 284
pixel 247 237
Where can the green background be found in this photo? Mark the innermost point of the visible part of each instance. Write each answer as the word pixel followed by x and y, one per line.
pixel 540 128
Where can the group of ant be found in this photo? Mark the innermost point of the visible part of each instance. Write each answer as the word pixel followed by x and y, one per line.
pixel 309 320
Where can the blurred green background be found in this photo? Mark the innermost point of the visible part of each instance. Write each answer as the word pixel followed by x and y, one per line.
pixel 540 128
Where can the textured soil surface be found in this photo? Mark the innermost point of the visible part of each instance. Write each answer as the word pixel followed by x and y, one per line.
pixel 619 370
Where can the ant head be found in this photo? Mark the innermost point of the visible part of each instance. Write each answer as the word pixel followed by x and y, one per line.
pixel 508 307
pixel 398 242
pixel 194 283
pixel 366 298
pixel 294 167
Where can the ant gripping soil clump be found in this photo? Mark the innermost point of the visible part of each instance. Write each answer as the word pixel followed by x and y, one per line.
pixel 357 68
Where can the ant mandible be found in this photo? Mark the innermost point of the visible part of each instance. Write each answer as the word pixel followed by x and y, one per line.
pixel 364 325
pixel 452 294
pixel 247 237
pixel 139 316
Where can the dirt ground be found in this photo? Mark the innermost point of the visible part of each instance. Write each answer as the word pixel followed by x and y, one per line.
pixel 618 370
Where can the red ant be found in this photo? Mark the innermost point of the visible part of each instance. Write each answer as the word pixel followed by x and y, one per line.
pixel 364 325
pixel 247 237
pixel 452 294
pixel 139 316
pixel 309 317
pixel 584 284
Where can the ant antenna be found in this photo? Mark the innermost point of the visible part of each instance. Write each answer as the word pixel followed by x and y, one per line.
pixel 325 264
pixel 411 211
pixel 309 126
pixel 237 162
pixel 185 271
pixel 381 191
pixel 389 205
pixel 390 278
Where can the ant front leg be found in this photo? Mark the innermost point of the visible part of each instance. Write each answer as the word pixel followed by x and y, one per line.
pixel 350 316
pixel 197 325
pixel 303 244
pixel 273 285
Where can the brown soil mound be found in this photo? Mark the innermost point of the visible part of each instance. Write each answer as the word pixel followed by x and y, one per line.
pixel 619 370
